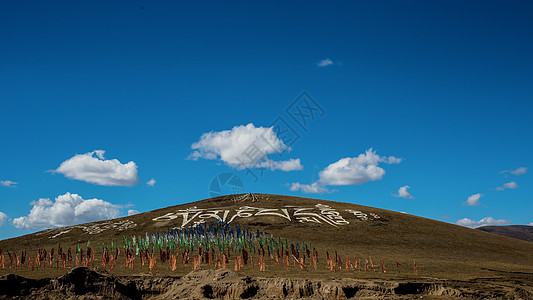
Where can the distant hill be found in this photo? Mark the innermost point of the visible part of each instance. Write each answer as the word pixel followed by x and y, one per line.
pixel 521 232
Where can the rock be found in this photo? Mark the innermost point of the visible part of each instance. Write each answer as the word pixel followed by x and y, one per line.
pixel 83 281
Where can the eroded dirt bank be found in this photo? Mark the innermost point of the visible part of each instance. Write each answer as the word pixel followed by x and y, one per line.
pixel 82 283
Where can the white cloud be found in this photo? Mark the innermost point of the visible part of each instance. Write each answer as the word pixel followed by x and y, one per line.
pixel 391 160
pixel 508 185
pixel 3 218
pixel 325 62
pixel 349 171
pixel 86 167
pixel 403 193
pixel 483 222
pixel 8 183
pixel 244 147
pixel 356 170
pixel 132 212
pixel 314 188
pixel 531 224
pixel 284 165
pixel 151 182
pixel 474 199
pixel 67 209
pixel 517 171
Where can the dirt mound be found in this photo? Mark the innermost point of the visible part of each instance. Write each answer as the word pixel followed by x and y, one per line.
pixel 519 293
pixel 82 283
pixel 14 285
pixel 79 283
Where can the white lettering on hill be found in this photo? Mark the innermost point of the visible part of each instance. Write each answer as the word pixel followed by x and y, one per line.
pixel 320 214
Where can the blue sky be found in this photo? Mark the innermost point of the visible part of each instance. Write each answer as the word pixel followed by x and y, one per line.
pixel 444 88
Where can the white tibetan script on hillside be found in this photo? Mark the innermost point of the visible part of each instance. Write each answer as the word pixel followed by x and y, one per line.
pixel 320 214
pixel 94 228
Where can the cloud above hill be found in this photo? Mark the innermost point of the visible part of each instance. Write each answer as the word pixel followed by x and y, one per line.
pixel 508 185
pixel 151 182
pixel 473 200
pixel 314 188
pixel 349 171
pixel 67 209
pixel 92 167
pixel 8 183
pixel 325 62
pixel 132 212
pixel 403 193
pixel 517 171
pixel 244 147
pixel 3 218
pixel 483 222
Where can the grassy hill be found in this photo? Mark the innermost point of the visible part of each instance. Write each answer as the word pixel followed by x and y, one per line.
pixel 441 251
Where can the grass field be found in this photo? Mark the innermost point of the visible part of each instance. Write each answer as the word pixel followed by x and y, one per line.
pixel 442 251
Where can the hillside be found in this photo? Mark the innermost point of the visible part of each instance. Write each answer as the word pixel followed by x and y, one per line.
pixel 442 252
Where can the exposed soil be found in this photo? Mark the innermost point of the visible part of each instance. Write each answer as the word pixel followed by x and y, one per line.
pixel 82 283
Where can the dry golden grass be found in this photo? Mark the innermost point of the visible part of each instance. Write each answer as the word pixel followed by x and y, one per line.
pixel 441 250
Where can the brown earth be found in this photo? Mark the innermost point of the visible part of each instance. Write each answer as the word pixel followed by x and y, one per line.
pixel 452 261
pixel 82 283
